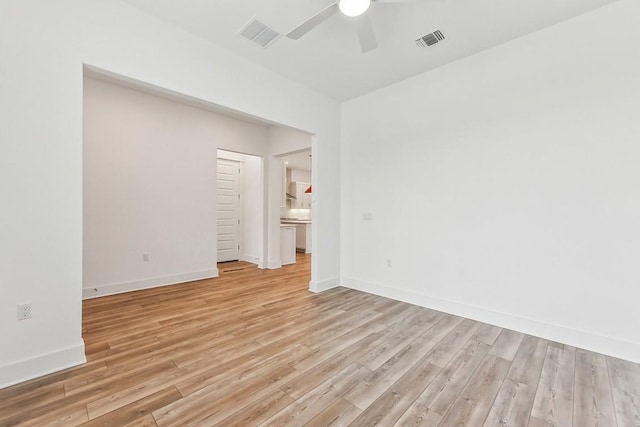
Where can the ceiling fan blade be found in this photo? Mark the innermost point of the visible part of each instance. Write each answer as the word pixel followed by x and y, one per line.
pixel 365 33
pixel 398 1
pixel 313 22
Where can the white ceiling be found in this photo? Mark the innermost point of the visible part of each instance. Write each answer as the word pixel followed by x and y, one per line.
pixel 329 60
pixel 301 160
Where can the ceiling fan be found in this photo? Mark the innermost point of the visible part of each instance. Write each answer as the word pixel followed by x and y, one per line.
pixel 351 8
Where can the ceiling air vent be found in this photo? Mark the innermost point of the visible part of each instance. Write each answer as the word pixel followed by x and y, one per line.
pixel 430 39
pixel 259 33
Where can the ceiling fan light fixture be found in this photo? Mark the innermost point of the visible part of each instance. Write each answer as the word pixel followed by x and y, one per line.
pixel 353 7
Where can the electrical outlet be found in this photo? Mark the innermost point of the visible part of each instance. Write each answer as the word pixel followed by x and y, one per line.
pixel 24 311
pixel 367 216
pixel 145 257
pixel 388 263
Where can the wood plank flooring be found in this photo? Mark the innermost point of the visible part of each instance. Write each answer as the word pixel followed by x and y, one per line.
pixel 254 347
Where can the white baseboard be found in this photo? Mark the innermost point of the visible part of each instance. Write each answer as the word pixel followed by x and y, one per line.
pixel 273 264
pixel 610 346
pixel 324 285
pixel 35 367
pixel 252 259
pixel 136 285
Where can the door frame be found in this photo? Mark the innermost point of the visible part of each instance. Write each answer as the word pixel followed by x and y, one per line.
pixel 240 205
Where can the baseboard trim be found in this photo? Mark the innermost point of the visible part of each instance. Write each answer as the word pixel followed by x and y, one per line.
pixel 273 264
pixel 610 346
pixel 35 367
pixel 324 285
pixel 136 285
pixel 252 260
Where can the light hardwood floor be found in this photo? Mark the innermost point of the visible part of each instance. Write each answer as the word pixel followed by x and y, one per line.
pixel 254 347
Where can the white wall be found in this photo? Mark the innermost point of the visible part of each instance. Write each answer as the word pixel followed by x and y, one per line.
pixel 504 187
pixel 252 199
pixel 299 175
pixel 149 167
pixel 43 46
pixel 253 211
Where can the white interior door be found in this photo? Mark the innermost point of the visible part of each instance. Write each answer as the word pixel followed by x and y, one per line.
pixel 228 210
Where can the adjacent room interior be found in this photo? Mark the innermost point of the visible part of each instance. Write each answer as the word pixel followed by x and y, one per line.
pixel 163 173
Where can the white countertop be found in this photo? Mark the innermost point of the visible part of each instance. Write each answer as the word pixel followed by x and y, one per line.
pixel 295 221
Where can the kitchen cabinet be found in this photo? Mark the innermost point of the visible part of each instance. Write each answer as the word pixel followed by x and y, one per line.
pixel 287 244
pixel 303 238
pixel 303 200
pixel 283 200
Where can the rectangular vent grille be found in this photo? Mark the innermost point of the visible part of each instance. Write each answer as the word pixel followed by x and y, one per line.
pixel 430 39
pixel 259 33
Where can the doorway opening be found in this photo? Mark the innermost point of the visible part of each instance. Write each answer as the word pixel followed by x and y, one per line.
pixel 153 223
pixel 228 210
pixel 239 211
pixel 296 213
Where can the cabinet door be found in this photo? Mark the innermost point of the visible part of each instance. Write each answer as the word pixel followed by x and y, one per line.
pixel 307 235
pixel 304 199
pixel 288 245
pixel 300 194
pixel 301 239
pixel 294 190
